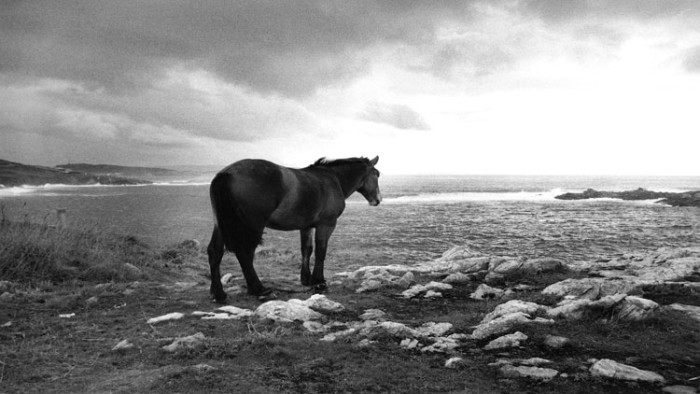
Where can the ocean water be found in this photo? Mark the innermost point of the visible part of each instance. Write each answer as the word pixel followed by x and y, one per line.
pixel 419 219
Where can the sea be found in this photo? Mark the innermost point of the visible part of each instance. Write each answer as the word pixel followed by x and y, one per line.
pixel 419 218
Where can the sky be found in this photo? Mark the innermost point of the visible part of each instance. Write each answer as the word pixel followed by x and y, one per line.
pixel 432 87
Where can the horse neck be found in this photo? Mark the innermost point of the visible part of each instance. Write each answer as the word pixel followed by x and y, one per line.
pixel 349 177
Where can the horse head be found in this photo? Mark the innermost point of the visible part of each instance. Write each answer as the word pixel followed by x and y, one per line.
pixel 369 186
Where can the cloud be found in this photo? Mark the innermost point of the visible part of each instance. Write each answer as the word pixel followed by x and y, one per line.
pixel 692 60
pixel 396 115
pixel 290 47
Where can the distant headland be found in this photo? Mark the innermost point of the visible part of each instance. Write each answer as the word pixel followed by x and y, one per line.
pixel 676 199
pixel 16 174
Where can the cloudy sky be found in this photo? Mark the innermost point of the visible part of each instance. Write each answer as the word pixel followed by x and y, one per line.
pixel 467 87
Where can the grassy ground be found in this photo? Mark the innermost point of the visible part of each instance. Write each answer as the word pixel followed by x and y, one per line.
pixel 43 353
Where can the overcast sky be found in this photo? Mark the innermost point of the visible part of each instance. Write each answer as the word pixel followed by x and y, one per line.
pixel 459 87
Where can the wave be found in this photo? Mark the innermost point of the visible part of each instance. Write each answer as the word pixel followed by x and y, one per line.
pixel 456 197
pixel 50 189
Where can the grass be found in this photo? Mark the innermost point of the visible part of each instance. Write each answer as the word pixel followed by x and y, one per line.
pixel 34 253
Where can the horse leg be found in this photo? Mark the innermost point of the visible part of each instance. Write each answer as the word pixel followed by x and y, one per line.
pixel 215 251
pixel 307 248
pixel 245 256
pixel 323 233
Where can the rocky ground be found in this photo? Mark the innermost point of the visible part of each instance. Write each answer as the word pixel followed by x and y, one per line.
pixel 466 322
pixel 682 199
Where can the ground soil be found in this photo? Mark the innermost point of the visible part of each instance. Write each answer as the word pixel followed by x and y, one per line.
pixel 41 352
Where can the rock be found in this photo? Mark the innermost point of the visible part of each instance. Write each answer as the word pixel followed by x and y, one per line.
pixel 513 306
pixel 321 303
pixel 415 290
pixel 500 325
pixel 315 327
pixel 592 288
pixel 373 314
pixel 486 292
pixel 236 311
pixel 409 343
pixel 226 279
pixel 534 361
pixel 123 345
pixel 538 373
pixel 202 367
pixel 506 341
pixel 287 311
pixel 397 329
pixel 432 294
pixel 612 369
pixel 457 278
pixel 190 244
pixel 556 342
pixel 132 270
pixel 92 301
pixel 634 308
pixel 455 363
pixel 185 342
pixel 432 329
pixel 691 310
pixel 369 285
pixel 536 266
pixel 166 317
pixel 579 308
pixel 406 280
pixel 678 389
pixel 66 315
pixel 442 345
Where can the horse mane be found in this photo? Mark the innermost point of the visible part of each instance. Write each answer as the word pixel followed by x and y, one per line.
pixel 324 162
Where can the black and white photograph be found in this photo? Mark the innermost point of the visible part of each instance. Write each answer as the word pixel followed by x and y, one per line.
pixel 380 196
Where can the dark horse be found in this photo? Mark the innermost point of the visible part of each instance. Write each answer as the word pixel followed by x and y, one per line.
pixel 250 195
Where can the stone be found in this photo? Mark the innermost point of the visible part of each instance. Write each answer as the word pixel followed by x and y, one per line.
pixel 506 341
pixel 579 308
pixel 166 317
pixel 633 308
pixel 457 278
pixel 432 294
pixel 513 306
pixel 321 303
pixel 185 342
pixel 315 327
pixel 455 363
pixel 679 389
pixel 415 290
pixel 537 373
pixel 236 311
pixel 123 345
pixel 612 369
pixel 369 285
pixel 226 278
pixel 442 345
pixel 287 311
pixel 373 314
pixel 556 342
pixel 202 367
pixel 593 288
pixel 406 280
pixel 409 343
pixel 486 292
pixel 691 310
pixel 432 329
pixel 500 325
pixel 92 301
pixel 535 361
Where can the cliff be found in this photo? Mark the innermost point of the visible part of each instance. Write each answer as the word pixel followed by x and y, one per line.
pixel 17 174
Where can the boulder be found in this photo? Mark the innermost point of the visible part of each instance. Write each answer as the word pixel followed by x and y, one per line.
pixel 577 309
pixel 612 369
pixel 633 308
pixel 185 342
pixel 522 371
pixel 512 306
pixel 455 363
pixel 592 288
pixel 321 303
pixel 373 314
pixel 486 292
pixel 504 324
pixel 287 311
pixel 691 310
pixel 506 341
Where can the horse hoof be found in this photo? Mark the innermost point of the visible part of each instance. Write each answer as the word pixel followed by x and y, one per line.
pixel 320 288
pixel 221 298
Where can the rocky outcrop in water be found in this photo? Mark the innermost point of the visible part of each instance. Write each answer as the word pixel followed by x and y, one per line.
pixel 684 199
pixel 16 174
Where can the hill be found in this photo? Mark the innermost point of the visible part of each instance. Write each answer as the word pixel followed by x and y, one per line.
pixel 119 171
pixel 17 174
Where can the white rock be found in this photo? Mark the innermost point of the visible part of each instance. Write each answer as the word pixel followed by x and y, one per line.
pixel 189 341
pixel 506 341
pixel 679 389
pixel 432 329
pixel 315 327
pixel 691 310
pixel 579 308
pixel 634 308
pixel 406 280
pixel 612 369
pixel 369 285
pixel 556 342
pixel 373 314
pixel 535 361
pixel 500 325
pixel 321 303
pixel 511 307
pixel 528 372
pixel 287 311
pixel 166 317
pixel 455 363
pixel 457 278
pixel 123 345
pixel 236 311
pixel 486 292
pixel 432 294
pixel 441 345
pixel 409 343
pixel 66 315
pixel 226 278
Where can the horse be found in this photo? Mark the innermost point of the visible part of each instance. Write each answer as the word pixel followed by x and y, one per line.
pixel 251 195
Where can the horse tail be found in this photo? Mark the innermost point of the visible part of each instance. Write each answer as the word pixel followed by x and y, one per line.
pixel 234 228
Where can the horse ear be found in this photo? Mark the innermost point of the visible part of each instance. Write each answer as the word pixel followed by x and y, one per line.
pixel 374 161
